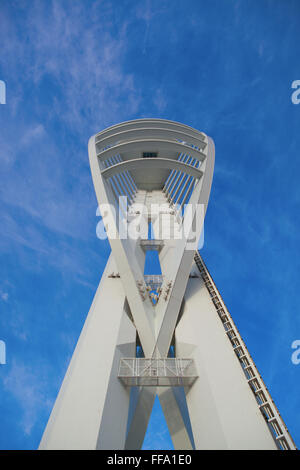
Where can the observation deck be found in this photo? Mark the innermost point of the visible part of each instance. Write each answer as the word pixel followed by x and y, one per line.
pixel 157 372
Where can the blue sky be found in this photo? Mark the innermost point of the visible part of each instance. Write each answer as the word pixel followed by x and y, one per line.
pixel 71 69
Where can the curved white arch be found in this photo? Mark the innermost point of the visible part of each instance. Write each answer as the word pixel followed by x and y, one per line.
pixel 151 133
pixel 152 145
pixel 137 123
pixel 157 163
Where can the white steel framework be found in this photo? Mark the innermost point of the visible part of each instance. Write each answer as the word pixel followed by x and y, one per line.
pixel 169 333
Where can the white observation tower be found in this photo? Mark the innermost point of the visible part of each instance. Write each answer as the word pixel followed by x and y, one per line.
pixel 166 333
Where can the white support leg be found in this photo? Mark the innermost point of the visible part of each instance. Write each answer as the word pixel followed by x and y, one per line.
pixel 141 404
pixel 91 395
pixel 223 411
pixel 173 403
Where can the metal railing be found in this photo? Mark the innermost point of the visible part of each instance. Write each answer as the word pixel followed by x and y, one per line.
pixel 157 372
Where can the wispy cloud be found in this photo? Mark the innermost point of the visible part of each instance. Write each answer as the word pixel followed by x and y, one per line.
pixel 82 58
pixel 4 296
pixel 28 390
